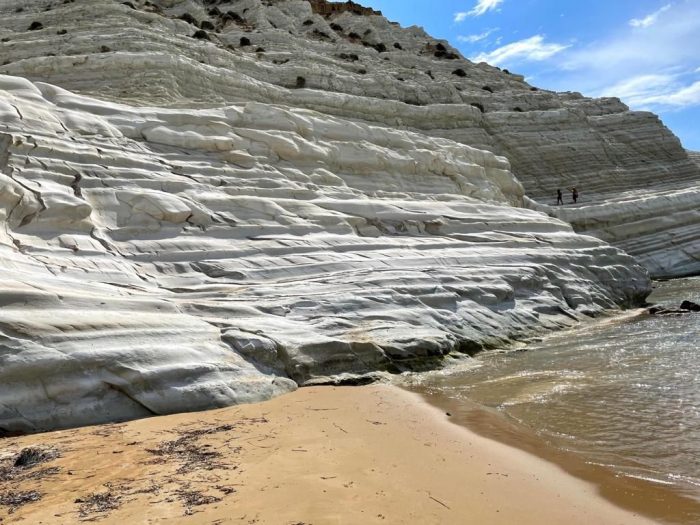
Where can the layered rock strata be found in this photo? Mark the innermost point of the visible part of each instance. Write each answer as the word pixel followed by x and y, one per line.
pixel 159 260
pixel 639 189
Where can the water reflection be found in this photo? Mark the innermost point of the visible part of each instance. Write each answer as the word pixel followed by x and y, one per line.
pixel 624 393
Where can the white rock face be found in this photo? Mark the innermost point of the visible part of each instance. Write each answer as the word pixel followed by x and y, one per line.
pixel 213 235
pixel 160 260
pixel 367 68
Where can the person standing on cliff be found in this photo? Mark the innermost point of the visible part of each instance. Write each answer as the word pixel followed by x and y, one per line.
pixel 560 198
pixel 574 194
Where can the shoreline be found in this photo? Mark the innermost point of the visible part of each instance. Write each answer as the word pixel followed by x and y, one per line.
pixel 372 454
pixel 668 504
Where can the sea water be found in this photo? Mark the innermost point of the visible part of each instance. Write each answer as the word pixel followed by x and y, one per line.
pixel 622 392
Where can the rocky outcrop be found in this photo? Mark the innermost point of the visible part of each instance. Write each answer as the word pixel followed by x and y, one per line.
pixel 159 260
pixel 225 200
pixel 694 156
pixel 638 186
pixel 325 8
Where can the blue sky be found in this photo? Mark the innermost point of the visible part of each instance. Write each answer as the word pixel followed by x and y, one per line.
pixel 646 52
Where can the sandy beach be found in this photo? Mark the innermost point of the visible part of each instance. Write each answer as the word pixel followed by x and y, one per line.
pixel 373 454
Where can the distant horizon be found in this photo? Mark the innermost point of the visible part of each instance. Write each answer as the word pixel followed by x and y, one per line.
pixel 642 52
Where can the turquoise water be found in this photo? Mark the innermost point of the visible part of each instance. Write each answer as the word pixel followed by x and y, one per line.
pixel 622 392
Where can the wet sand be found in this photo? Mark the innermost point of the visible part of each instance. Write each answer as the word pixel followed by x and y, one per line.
pixel 660 502
pixel 375 454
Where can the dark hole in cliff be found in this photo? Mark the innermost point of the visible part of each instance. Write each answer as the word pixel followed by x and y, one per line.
pixel 479 106
pixel 352 57
pixel 321 34
pixel 105 49
pixel 129 4
pixel 534 89
pixel 189 19
pixel 235 17
pixel 245 41
pixel 301 83
pixel 470 347
pixel 308 22
pixel 260 50
pixel 381 48
pixel 447 55
pixel 459 73
pixel 214 11
pixel 354 36
pixel 440 47
pixel 397 45
pixel 201 35
pixel 518 109
pixel 34 26
pixel 61 32
pixel 336 27
pixel 488 88
pixel 506 72
pixel 362 71
pixel 206 24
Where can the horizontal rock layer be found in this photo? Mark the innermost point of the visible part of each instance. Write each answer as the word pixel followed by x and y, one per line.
pixel 629 168
pixel 159 260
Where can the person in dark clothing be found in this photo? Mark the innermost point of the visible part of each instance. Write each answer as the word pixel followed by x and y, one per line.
pixel 574 194
pixel 560 198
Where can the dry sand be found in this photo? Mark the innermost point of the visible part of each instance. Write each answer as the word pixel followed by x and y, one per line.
pixel 351 455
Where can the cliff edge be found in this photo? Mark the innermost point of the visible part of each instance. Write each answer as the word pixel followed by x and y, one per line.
pixel 213 203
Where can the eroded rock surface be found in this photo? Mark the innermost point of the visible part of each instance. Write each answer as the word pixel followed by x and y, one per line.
pixel 233 199
pixel 159 260
pixel 639 189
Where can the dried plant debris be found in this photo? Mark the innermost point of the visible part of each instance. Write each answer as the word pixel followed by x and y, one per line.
pixel 32 456
pixel 15 499
pixel 22 466
pixel 98 503
pixel 108 430
pixel 190 453
pixel 194 498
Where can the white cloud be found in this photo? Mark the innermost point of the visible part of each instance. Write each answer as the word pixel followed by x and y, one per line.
pixel 671 42
pixel 653 91
pixel 532 49
pixel 638 91
pixel 651 19
pixel 481 7
pixel 686 96
pixel 473 39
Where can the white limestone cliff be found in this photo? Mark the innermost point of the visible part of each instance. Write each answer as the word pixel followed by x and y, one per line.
pixel 192 222
pixel 364 67
pixel 159 260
